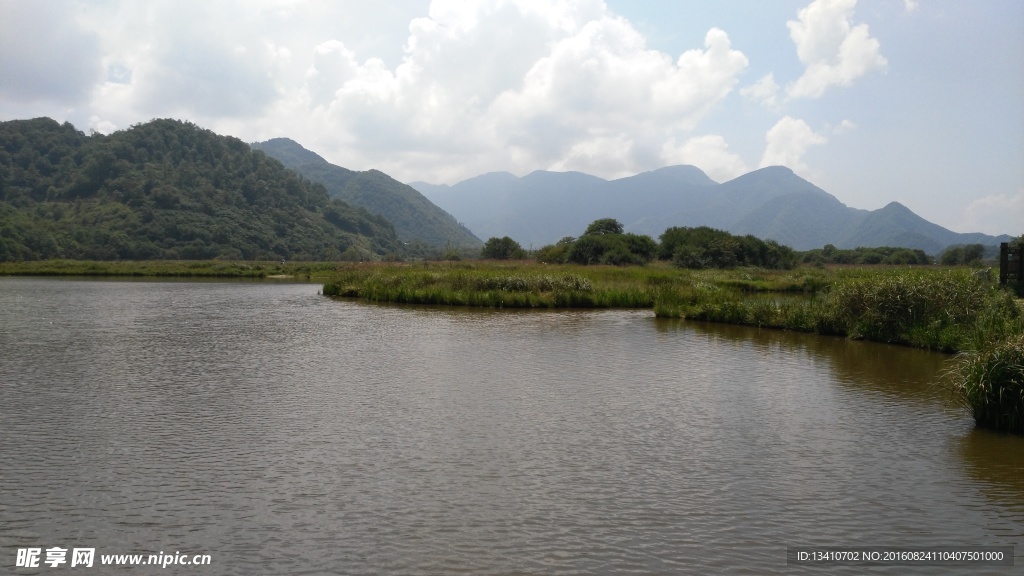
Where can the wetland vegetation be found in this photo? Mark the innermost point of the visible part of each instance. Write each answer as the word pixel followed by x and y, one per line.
pixel 933 308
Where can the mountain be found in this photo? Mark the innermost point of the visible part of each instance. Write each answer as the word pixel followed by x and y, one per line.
pixel 772 203
pixel 166 189
pixel 414 217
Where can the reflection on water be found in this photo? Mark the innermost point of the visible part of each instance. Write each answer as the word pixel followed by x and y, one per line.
pixel 902 372
pixel 997 460
pixel 284 432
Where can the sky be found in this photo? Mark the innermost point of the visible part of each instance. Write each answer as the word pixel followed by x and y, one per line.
pixel 915 101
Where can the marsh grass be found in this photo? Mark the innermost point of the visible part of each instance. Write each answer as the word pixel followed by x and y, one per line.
pixel 492 285
pixel 937 309
pixel 989 383
pixel 947 310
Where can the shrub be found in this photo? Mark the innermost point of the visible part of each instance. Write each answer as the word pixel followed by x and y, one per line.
pixel 553 254
pixel 503 248
pixel 617 249
pixel 603 226
pixel 705 247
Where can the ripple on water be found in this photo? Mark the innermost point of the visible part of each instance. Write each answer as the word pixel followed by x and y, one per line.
pixel 285 432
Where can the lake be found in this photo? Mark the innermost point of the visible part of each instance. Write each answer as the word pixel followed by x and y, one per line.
pixel 283 432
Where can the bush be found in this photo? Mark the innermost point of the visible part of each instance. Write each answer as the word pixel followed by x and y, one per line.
pixel 603 226
pixel 503 248
pixel 887 308
pixel 602 245
pixel 553 254
pixel 705 247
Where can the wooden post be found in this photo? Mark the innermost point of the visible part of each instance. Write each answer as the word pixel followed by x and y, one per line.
pixel 1011 263
pixel 1004 262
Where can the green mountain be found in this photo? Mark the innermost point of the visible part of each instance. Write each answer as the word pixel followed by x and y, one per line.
pixel 415 218
pixel 166 190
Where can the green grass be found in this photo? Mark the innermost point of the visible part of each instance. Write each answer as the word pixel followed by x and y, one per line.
pixel 934 308
pixel 494 285
pixel 989 383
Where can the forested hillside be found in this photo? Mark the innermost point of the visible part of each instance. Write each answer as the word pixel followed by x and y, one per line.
pixel 166 190
pixel 416 219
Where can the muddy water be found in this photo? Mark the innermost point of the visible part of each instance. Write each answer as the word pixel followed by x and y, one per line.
pixel 280 431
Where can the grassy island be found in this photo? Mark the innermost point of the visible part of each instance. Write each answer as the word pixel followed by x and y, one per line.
pixel 934 308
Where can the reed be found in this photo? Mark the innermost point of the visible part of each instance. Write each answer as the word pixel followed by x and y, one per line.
pixel 989 384
pixel 491 285
pixel 938 309
pixel 947 310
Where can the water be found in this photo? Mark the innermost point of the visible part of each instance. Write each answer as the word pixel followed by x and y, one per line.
pixel 282 432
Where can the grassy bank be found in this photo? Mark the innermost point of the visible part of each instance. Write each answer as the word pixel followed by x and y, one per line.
pixel 989 383
pixel 938 309
pixel 170 268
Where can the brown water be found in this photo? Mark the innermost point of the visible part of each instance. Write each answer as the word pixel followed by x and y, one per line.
pixel 283 432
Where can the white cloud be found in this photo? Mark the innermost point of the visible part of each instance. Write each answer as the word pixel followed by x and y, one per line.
pixel 464 88
pixel 102 126
pixel 996 214
pixel 910 5
pixel 765 91
pixel 511 85
pixel 46 55
pixel 844 127
pixel 788 140
pixel 602 84
pixel 710 153
pixel 833 50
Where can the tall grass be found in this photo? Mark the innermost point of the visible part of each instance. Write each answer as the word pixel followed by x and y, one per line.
pixel 494 286
pixel 938 309
pixel 989 383
pixel 948 310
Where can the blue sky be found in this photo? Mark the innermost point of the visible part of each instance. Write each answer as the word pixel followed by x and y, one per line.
pixel 920 102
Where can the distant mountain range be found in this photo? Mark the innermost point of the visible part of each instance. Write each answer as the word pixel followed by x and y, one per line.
pixel 414 217
pixel 770 203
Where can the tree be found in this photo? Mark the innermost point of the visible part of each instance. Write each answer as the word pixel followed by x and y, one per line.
pixel 973 253
pixel 587 250
pixel 503 248
pixel 604 226
pixel 952 256
pixel 705 247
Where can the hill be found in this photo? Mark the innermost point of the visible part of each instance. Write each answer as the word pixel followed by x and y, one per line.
pixel 415 218
pixel 771 203
pixel 166 190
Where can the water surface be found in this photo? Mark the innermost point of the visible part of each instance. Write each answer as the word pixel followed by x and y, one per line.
pixel 282 432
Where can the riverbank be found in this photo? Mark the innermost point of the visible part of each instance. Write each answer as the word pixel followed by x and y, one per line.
pixel 171 268
pixel 946 309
